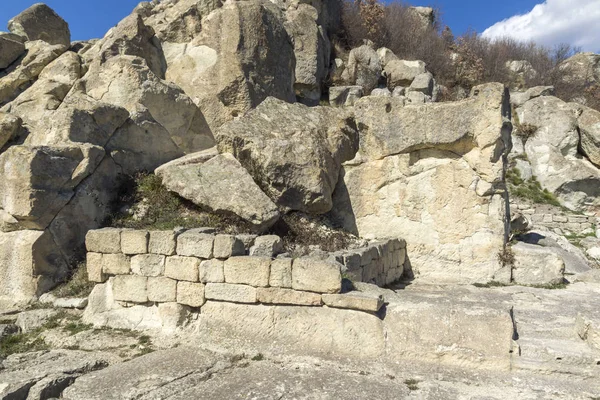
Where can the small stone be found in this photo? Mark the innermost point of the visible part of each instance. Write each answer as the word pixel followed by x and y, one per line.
pixel 162 242
pixel 71 302
pixel 287 296
pixel 161 289
pixel 107 240
pixel 182 268
pixel 116 264
pixel 354 301
pixel 281 273
pixel 228 246
pixel 134 242
pixel 253 271
pixel 212 271
pixel 191 294
pixel 93 265
pixel 231 293
pixel 316 276
pixel 31 320
pixel 195 243
pixel 130 288
pixel 267 246
pixel 148 264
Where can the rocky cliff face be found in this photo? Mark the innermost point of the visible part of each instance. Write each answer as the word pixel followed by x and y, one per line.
pixel 178 77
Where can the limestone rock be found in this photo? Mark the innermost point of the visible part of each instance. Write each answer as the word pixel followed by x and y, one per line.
pixel 195 243
pixel 267 246
pixel 316 276
pixel 106 240
pixel 191 294
pixel 354 301
pixel 385 56
pixel 164 123
pixel 211 184
pixel 182 268
pixel 589 128
pixel 242 55
pixel 10 49
pixel 364 68
pixel 423 83
pixel 535 265
pixel 311 49
pixel 253 271
pixel 582 67
pixel 18 77
pixel 287 296
pixel 9 127
pixel 292 151
pixel 431 174
pixel 130 288
pixel 39 181
pixel 28 321
pixel 230 293
pixel 40 22
pixel 340 96
pixel 402 72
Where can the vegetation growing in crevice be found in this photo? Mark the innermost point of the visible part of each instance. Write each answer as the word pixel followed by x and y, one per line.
pixel 145 203
pixel 529 189
pixel 77 285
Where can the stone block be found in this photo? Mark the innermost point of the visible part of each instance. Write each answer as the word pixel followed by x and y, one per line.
pixel 116 264
pixel 148 264
pixel 578 219
pixel 394 275
pixel 231 293
pixel 191 294
pixel 287 296
pixel 107 240
pixel 195 243
pixel 351 261
pixel 161 289
pixel 94 268
pixel 130 288
pixel 134 242
pixel 354 276
pixel 316 276
pixel 248 241
pixel 352 301
pixel 547 218
pixel 253 271
pixel 573 226
pixel 536 265
pixel 162 242
pixel 560 218
pixel 182 268
pixel 281 273
pixel 267 246
pixel 537 218
pixel 228 246
pixel 212 271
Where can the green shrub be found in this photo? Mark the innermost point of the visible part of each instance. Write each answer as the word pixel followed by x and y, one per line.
pixel 529 189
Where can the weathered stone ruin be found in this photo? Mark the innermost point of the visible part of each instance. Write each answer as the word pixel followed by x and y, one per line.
pixel 245 111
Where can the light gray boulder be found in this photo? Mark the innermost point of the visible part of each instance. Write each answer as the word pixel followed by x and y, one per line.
pixel 221 184
pixel 10 49
pixel 294 152
pixel 536 265
pixel 364 68
pixel 31 320
pixel 9 127
pixel 267 246
pixel 589 128
pixel 344 96
pixel 40 22
pixel 423 83
pixel 402 72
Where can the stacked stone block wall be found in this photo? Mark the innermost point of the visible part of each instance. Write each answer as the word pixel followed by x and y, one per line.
pixel 556 219
pixel 191 267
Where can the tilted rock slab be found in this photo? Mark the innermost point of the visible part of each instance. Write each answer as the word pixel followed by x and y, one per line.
pixel 292 151
pixel 222 185
pixel 11 48
pixel 40 22
pixel 432 174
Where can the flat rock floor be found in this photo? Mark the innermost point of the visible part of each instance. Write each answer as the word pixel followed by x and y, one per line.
pixel 64 358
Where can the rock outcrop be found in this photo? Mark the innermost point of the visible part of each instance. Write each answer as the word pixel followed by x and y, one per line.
pixel 294 152
pixel 434 175
pixel 40 22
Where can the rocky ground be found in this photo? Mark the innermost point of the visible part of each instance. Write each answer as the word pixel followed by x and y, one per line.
pixel 57 355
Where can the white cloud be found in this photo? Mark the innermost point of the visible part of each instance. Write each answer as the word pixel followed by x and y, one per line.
pixel 576 22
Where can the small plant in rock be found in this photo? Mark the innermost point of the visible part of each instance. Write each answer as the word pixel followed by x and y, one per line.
pixel 77 286
pixel 413 384
pixel 22 343
pixel 506 257
pixel 529 189
pixel 258 357
pixel 525 131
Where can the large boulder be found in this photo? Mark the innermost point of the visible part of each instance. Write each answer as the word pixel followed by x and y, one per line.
pixel 242 55
pixel 164 122
pixel 294 152
pixel 311 49
pixel 364 68
pixel 40 22
pixel 582 67
pixel 432 174
pixel 11 49
pixel 48 92
pixel 402 72
pixel 553 150
pixel 17 78
pixel 589 128
pixel 220 184
pixel 537 265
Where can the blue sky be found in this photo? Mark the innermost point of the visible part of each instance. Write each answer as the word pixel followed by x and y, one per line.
pixel 548 22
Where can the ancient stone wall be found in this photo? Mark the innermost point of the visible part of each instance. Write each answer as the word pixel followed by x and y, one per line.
pixel 193 266
pixel 555 219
